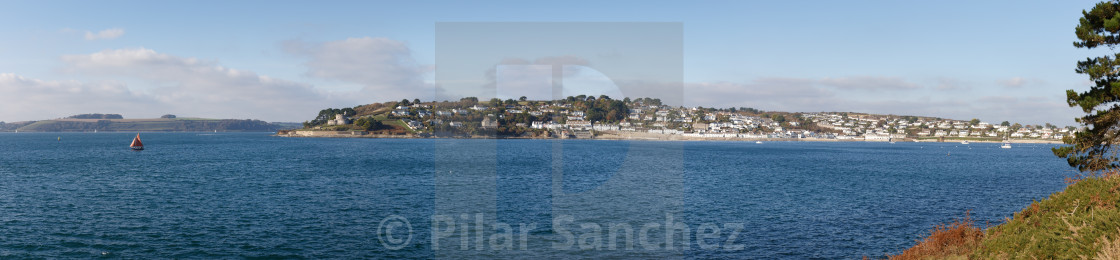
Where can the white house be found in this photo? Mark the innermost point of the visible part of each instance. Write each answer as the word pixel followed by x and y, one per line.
pixel 489 123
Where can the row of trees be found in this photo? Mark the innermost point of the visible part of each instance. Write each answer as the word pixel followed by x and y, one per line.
pixel 97 116
pixel 405 102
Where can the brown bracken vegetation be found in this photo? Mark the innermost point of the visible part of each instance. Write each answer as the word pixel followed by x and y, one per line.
pixel 946 241
pixel 1080 222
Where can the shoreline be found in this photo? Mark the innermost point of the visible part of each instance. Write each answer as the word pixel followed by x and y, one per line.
pixel 631 137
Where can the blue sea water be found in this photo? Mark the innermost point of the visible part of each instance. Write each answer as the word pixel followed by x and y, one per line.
pixel 251 195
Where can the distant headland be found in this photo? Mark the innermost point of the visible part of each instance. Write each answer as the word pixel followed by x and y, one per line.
pixel 117 123
pixel 591 117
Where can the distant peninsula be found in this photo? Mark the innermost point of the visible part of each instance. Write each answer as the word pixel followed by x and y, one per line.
pixel 601 117
pixel 117 123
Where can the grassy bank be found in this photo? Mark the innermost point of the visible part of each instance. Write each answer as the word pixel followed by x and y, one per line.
pixel 1081 222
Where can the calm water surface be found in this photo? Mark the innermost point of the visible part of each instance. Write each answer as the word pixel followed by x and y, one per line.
pixel 233 195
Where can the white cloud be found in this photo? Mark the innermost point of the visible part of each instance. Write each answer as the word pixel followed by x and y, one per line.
pixel 383 67
pixel 531 78
pixel 1020 82
pixel 951 84
pixel 785 94
pixel 1015 82
pixel 204 88
pixel 869 83
pixel 31 99
pixel 111 33
pixel 792 94
pixel 165 83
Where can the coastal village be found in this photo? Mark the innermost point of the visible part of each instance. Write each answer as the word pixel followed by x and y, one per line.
pixel 590 117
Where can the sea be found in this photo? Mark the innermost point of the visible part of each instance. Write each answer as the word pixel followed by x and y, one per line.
pixel 256 196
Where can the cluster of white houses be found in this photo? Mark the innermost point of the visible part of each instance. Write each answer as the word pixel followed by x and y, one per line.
pixel 887 126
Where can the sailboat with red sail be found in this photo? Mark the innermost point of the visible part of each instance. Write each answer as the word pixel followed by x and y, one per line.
pixel 136 144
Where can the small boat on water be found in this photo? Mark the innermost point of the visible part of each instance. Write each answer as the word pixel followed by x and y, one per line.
pixel 964 142
pixel 136 144
pixel 1005 145
pixel 758 142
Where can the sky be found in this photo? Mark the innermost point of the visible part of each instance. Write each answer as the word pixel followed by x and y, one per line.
pixel 286 60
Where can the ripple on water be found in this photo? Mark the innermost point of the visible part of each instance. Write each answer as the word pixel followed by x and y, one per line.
pixel 248 195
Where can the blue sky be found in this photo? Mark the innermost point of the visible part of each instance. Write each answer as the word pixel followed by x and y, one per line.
pixel 280 60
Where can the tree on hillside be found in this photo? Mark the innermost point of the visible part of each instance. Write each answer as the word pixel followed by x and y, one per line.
pixel 1091 150
pixel 415 101
pixel 368 124
pixel 778 118
pixel 974 121
pixel 523 98
pixel 1005 123
pixel 404 102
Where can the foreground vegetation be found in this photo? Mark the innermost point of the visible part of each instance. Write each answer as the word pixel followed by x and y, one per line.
pixel 1081 222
